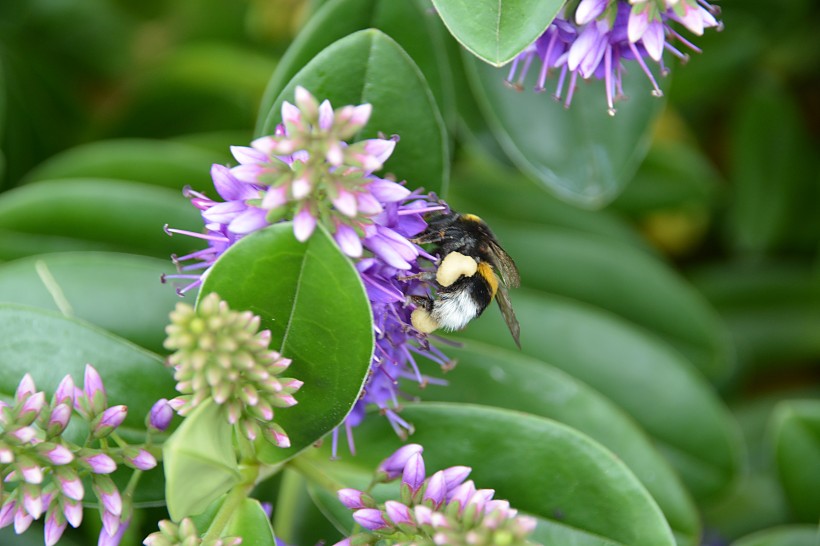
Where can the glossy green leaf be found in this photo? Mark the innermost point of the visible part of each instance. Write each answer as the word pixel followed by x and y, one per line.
pixel 49 346
pixel 496 192
pixel 580 154
pixel 772 311
pixel 157 162
pixel 628 282
pixel 199 461
pixel 88 214
pixel 771 159
pixel 786 535
pixel 797 450
pixel 121 293
pixel 369 67
pixel 311 299
pixel 637 371
pixel 251 523
pixel 417 32
pixel 496 31
pixel 502 378
pixel 578 488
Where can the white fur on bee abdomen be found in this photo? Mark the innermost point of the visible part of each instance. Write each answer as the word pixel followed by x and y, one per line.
pixel 454 311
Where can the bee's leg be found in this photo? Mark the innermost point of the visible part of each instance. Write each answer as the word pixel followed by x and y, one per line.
pixel 454 266
pixel 434 236
pixel 421 317
pixel 425 276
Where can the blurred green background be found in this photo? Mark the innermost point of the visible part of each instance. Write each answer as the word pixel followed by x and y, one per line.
pixel 110 107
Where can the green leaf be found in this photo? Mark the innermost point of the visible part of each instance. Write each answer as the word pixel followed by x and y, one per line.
pixel 628 282
pixel 580 154
pixel 501 378
pixel 369 67
pixel 495 31
pixel 786 535
pixel 772 156
pixel 199 460
pixel 121 293
pixel 49 347
pixel 312 300
pixel 797 450
pixel 415 31
pixel 157 162
pixel 496 192
pixel 578 488
pixel 252 524
pixel 637 371
pixel 89 214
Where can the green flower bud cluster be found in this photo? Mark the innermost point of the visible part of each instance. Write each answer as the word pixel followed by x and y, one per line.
pixel 222 355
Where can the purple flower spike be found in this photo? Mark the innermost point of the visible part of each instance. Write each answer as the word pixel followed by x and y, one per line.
pixel 398 513
pixel 394 465
pixel 94 390
pixel 414 472
pixel 161 414
pixel 101 463
pixel 370 518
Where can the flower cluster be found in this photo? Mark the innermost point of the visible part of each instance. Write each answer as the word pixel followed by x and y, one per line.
pixel 443 509
pixel 222 355
pixel 595 38
pixel 42 472
pixel 184 534
pixel 306 172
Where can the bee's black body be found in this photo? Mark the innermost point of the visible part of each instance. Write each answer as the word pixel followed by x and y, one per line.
pixel 466 295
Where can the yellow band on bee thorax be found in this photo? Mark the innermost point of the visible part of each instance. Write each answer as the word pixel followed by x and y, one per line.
pixel 486 271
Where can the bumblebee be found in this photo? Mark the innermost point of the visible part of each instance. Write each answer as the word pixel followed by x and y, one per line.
pixel 467 278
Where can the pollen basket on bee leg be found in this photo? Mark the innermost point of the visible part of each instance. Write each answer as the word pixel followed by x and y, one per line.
pixel 454 266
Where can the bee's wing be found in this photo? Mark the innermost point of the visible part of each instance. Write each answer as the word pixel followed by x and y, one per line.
pixel 503 299
pixel 505 266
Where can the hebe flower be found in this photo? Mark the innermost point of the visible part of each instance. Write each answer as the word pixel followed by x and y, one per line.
pixel 184 534
pixel 596 38
pixel 221 354
pixel 308 173
pixel 43 473
pixel 443 509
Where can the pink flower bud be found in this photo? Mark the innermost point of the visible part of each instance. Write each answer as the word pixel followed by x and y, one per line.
pixel 101 463
pixel 370 518
pixel 161 415
pixel 94 390
pixel 142 460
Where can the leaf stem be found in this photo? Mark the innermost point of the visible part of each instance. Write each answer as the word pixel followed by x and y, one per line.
pixel 313 472
pixel 235 497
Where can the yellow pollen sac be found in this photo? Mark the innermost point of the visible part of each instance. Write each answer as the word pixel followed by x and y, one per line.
pixel 486 271
pixel 423 321
pixel 453 267
pixel 472 218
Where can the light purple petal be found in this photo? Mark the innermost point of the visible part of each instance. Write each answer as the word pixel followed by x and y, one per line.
pixel 275 198
pixel 638 23
pixel 351 498
pixel 379 148
pixel 325 115
pixel 65 391
pixel 348 240
pixel 393 466
pixel 589 10
pixel 386 191
pixel 345 202
pixel 291 114
pixel 303 225
pixel 25 388
pixel 54 528
pixel 249 174
pixel 249 221
pixel 414 472
pixel 653 40
pixel 247 155
pixel 370 518
pixel 227 186
pixel 398 512
pixel 436 490
pixel 367 204
pixel 59 455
